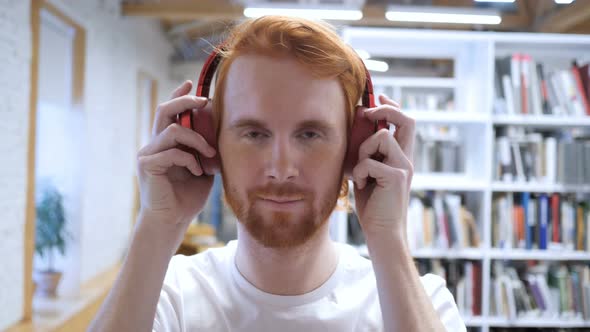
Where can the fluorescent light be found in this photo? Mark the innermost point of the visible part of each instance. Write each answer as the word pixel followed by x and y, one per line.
pixel 504 1
pixel 442 15
pixel 362 54
pixel 563 2
pixel 375 65
pixel 311 13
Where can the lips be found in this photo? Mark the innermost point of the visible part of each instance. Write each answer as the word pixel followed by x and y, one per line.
pixel 282 199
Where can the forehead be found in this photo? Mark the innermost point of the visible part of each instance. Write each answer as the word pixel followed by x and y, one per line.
pixel 280 89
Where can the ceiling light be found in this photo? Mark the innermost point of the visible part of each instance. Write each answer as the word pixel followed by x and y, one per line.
pixel 323 13
pixel 375 65
pixel 362 54
pixel 442 15
pixel 563 2
pixel 504 1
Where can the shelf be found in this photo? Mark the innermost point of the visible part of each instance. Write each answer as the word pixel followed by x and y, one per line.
pixel 446 182
pixel 474 321
pixel 415 82
pixel 541 120
pixel 474 58
pixel 430 253
pixel 536 254
pixel 538 187
pixel 537 322
pixel 466 253
pixel 446 116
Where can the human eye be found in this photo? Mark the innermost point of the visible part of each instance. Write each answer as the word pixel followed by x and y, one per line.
pixel 254 135
pixel 309 135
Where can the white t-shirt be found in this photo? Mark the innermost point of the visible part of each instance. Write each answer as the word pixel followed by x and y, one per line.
pixel 206 292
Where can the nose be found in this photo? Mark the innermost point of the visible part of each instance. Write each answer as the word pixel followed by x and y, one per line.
pixel 282 165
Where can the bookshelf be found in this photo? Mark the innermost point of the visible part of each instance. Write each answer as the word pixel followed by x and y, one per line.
pixel 473 112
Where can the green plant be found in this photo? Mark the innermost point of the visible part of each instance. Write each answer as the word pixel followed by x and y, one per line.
pixel 50 228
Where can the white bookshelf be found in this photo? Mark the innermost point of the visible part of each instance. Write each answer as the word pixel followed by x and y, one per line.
pixel 447 182
pixel 444 117
pixel 575 322
pixel 474 54
pixel 467 253
pixel 541 121
pixel 539 187
pixel 417 82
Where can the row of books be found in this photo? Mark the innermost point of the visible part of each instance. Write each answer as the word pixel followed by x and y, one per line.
pixel 440 220
pixel 544 291
pixel 523 156
pixel 526 86
pixel 541 221
pixel 464 281
pixel 438 149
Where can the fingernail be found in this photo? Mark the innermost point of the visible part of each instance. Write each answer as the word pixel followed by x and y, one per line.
pixel 211 152
pixel 199 99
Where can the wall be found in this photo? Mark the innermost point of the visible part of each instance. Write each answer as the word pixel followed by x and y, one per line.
pixel 15 53
pixel 117 50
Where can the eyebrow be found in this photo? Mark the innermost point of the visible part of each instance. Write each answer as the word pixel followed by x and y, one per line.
pixel 251 122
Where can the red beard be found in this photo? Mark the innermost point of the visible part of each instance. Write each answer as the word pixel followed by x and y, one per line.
pixel 284 229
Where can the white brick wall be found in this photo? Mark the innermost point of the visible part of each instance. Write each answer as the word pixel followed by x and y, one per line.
pixel 15 53
pixel 117 49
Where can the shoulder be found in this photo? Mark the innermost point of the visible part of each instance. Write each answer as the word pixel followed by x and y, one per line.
pixel 443 302
pixel 436 289
pixel 191 290
pixel 433 284
pixel 352 261
pixel 211 262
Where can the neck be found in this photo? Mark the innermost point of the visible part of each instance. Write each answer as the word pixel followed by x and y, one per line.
pixel 291 271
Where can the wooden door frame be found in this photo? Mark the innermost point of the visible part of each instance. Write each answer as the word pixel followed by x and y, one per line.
pixel 78 74
pixel 143 75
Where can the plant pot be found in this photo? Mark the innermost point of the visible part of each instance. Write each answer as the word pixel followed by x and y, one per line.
pixel 47 282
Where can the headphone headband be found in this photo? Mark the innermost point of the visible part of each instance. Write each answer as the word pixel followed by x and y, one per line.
pixel 210 66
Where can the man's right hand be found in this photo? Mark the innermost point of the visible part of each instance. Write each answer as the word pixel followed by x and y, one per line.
pixel 172 188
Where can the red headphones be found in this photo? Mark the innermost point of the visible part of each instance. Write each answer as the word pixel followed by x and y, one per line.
pixel 202 121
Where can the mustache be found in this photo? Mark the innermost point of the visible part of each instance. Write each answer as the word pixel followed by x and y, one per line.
pixel 289 190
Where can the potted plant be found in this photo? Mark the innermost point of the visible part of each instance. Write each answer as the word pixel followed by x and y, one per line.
pixel 50 234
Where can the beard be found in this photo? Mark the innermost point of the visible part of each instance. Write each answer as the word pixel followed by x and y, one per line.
pixel 280 229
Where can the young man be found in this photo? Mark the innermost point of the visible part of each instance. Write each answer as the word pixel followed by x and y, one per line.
pixel 285 96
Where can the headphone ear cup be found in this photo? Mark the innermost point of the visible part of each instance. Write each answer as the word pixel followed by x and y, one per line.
pixel 362 128
pixel 203 124
pixel 201 121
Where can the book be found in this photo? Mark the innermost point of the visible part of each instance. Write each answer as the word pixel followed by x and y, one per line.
pixel 529 86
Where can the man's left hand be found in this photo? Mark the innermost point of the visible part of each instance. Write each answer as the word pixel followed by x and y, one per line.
pixel 382 205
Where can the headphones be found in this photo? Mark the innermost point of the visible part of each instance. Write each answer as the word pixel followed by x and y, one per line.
pixel 201 121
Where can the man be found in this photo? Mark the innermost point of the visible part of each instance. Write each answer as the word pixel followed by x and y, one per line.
pixel 284 98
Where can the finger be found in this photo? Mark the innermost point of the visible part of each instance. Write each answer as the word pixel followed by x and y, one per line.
pixel 385 176
pixel 405 127
pixel 175 135
pixel 383 142
pixel 167 111
pixel 383 99
pixel 161 162
pixel 182 89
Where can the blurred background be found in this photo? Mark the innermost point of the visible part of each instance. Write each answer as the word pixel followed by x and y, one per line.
pixel 500 90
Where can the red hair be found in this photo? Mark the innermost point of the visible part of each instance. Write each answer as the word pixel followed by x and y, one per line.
pixel 314 44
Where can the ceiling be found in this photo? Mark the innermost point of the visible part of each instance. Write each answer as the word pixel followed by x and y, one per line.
pixel 193 26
